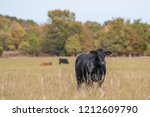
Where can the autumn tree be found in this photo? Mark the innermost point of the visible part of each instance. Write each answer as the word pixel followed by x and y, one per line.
pixel 5 35
pixel 86 40
pixel 18 33
pixel 95 29
pixel 142 35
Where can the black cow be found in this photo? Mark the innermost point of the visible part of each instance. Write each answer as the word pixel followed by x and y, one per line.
pixel 63 60
pixel 91 67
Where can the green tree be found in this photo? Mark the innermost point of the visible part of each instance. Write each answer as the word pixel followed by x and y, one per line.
pixel 62 26
pixel 72 45
pixel 23 47
pixel 65 15
pixel 115 37
pixel 34 45
pixel 1 50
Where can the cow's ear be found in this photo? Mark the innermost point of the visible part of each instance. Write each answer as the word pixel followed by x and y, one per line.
pixel 108 52
pixel 93 52
pixel 100 50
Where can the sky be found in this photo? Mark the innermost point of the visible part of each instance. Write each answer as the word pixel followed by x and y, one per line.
pixel 85 10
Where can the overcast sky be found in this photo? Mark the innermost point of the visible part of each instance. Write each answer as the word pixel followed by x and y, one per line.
pixel 93 10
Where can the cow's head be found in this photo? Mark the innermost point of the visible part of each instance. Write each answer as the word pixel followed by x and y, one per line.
pixel 100 56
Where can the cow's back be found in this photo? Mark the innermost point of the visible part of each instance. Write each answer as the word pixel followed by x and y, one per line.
pixel 80 63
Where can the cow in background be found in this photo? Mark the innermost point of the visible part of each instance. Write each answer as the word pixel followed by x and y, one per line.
pixel 63 61
pixel 46 64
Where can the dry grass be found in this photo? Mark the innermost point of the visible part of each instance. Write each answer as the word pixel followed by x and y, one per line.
pixel 24 78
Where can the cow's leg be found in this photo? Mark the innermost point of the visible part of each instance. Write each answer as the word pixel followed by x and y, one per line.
pixel 100 83
pixel 79 83
pixel 89 81
pixel 102 92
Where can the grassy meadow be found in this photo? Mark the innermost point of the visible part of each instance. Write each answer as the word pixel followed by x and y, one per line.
pixel 24 78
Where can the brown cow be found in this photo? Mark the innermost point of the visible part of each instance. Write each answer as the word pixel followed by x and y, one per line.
pixel 46 64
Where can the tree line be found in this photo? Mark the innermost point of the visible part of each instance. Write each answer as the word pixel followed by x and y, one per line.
pixel 63 35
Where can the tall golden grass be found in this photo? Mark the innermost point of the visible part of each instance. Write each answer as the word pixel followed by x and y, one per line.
pixel 24 78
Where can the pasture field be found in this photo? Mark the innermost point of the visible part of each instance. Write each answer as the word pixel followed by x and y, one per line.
pixel 24 78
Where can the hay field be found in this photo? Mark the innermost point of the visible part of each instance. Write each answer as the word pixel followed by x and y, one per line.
pixel 24 78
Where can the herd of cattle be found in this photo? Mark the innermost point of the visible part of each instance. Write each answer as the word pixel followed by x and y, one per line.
pixel 89 67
